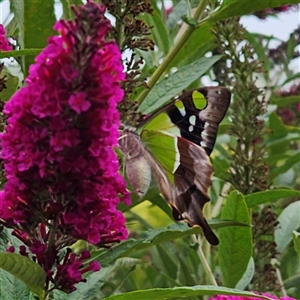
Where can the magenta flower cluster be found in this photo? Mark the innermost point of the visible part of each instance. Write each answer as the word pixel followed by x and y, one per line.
pixel 63 180
pixel 4 45
pixel 231 297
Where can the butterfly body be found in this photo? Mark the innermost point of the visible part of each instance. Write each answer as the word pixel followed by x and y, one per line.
pixel 175 143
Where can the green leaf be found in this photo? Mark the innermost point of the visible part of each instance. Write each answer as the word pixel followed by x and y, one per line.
pixel 31 273
pixel 291 47
pixel 10 286
pixel 234 8
pixel 159 30
pixel 182 292
pixel 171 86
pixel 269 196
pixel 18 53
pixel 153 237
pixel 284 101
pixel 289 163
pixel 278 129
pixel 90 289
pixel 17 8
pixel 248 275
pixel 178 11
pixel 157 200
pixel 39 18
pixel 169 262
pixel 235 247
pixel 13 288
pixel 221 167
pixel 289 220
pixel 199 42
pixel 296 240
pixel 259 50
pixel 11 83
pixel 291 78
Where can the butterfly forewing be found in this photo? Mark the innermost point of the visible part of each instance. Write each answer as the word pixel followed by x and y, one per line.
pixel 194 116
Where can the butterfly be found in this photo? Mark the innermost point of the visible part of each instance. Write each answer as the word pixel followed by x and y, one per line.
pixel 174 144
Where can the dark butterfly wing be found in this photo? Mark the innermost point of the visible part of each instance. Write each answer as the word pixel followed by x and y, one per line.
pixel 177 141
pixel 196 123
pixel 191 187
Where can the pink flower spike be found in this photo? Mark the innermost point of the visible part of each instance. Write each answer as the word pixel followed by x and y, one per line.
pixel 79 103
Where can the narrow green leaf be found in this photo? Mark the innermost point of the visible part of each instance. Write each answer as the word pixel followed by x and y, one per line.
pixel 291 47
pixel 169 262
pixel 235 247
pixel 31 273
pixel 269 196
pixel 289 163
pixel 284 101
pixel 277 144
pixel 259 50
pixel 233 8
pixel 289 220
pixel 66 9
pixel 153 237
pixel 221 166
pixel 176 14
pixel 291 78
pixel 182 292
pixel 159 30
pixel 22 52
pixel 17 8
pixel 296 240
pixel 201 39
pixel 171 86
pixel 90 289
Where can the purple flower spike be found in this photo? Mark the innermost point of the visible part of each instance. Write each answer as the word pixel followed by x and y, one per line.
pixel 58 145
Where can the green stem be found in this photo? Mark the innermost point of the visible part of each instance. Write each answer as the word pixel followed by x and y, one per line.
pixel 208 272
pixel 119 26
pixel 278 274
pixel 168 59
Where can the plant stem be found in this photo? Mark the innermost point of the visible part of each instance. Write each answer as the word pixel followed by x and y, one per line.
pixel 168 59
pixel 278 274
pixel 206 267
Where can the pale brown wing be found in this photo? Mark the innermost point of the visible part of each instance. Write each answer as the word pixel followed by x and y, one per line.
pixel 192 181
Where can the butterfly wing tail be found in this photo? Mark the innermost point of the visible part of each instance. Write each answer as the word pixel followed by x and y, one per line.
pixel 189 208
pixel 196 218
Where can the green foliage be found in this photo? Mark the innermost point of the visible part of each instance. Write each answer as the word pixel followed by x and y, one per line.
pixel 289 221
pixel 182 292
pixel 235 248
pixel 171 86
pixel 165 262
pixel 23 268
pixel 296 240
